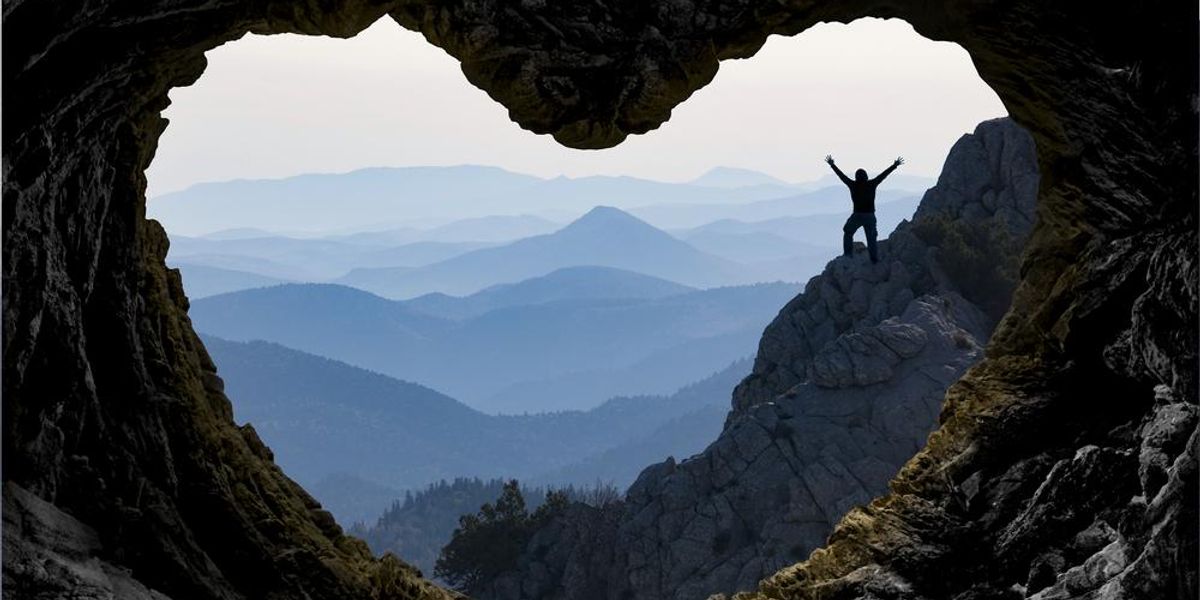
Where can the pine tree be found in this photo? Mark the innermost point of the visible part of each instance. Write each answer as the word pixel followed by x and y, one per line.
pixel 488 543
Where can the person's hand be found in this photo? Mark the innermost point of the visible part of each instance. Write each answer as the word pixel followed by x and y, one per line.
pixel 829 158
pixel 899 160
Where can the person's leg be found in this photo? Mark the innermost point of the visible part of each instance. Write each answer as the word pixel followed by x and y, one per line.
pixel 848 236
pixel 872 236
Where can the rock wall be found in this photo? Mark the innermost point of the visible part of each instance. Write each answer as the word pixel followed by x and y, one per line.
pixel 113 413
pixel 851 377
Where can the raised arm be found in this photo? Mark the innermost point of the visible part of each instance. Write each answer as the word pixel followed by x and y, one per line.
pixel 840 174
pixel 888 171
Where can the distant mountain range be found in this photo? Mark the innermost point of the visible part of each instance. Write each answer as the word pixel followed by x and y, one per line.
pixel 811 232
pixel 530 353
pixel 566 319
pixel 732 177
pixel 829 200
pixel 385 198
pixel 719 253
pixel 567 283
pixel 659 372
pixel 587 335
pixel 354 435
pixel 492 228
pixel 204 280
pixel 605 236
pixel 785 239
pixel 365 198
pixel 308 259
pixel 500 345
pixel 753 247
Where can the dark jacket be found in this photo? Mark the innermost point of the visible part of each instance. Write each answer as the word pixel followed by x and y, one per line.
pixel 862 192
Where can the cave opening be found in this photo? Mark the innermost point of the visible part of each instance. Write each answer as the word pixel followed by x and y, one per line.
pixel 125 475
pixel 299 175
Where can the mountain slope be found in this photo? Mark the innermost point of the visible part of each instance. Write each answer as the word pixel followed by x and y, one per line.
pixel 327 421
pixel 699 420
pixel 502 347
pixel 605 237
pixel 335 318
pixel 202 280
pixel 568 283
pixel 660 372
pixel 418 527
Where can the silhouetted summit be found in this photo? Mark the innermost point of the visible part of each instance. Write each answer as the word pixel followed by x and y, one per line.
pixel 602 219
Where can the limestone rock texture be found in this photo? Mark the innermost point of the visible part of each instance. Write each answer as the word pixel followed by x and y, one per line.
pixel 859 361
pixel 1064 462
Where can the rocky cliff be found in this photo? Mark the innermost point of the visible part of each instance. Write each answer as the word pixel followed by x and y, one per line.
pixel 113 414
pixel 987 187
pixel 847 385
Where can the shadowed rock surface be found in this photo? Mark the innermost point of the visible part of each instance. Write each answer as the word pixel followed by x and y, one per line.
pixel 50 554
pixel 113 412
pixel 867 352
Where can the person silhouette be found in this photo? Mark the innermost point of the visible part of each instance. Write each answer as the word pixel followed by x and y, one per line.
pixel 862 194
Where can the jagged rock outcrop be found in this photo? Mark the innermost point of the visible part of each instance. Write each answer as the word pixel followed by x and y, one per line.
pixel 1046 524
pixel 113 413
pixel 860 360
pixel 989 179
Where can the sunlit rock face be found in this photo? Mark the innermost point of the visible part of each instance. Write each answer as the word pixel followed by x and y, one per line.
pixel 1076 420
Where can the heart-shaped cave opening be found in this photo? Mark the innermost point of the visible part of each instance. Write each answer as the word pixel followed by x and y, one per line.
pixel 1066 448
pixel 493 306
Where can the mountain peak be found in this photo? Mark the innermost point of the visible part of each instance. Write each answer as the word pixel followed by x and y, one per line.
pixel 607 225
pixel 606 217
pixel 733 177
pixel 606 212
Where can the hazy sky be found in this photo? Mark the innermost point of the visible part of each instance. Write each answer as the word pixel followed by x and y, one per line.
pixel 273 106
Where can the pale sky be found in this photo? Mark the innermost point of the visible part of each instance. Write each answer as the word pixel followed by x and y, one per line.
pixel 274 106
